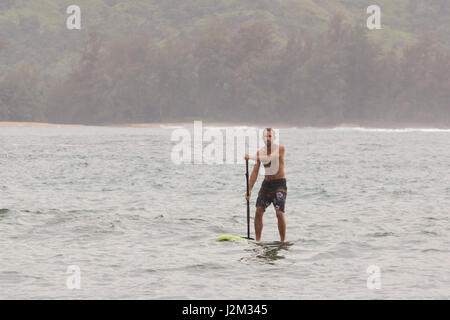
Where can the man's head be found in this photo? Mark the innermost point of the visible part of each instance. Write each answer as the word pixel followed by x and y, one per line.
pixel 268 136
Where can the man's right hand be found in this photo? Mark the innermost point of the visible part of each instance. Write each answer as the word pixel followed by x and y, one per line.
pixel 247 196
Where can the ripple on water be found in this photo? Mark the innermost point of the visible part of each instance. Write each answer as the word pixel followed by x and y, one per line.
pixel 380 234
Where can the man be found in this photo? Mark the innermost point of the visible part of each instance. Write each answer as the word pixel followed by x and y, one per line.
pixel 273 189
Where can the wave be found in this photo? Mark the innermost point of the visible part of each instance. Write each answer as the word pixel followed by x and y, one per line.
pixel 390 130
pixel 228 127
pixel 210 127
pixel 365 129
pixel 170 127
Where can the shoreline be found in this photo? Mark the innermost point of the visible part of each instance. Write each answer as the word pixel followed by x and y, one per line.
pixel 227 124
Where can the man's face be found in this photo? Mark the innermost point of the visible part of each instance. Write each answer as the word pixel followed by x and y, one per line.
pixel 268 137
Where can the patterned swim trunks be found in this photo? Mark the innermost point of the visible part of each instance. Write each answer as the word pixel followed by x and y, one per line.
pixel 272 191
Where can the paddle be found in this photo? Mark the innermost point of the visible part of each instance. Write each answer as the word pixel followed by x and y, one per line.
pixel 248 203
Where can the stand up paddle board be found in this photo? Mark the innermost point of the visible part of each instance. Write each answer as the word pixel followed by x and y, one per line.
pixel 228 237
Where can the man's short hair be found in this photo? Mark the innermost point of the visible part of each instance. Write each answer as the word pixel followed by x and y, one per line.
pixel 269 129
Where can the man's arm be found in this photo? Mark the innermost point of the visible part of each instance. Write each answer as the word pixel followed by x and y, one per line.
pixel 282 151
pixel 253 177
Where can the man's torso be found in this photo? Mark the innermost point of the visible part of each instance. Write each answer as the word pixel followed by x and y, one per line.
pixel 274 169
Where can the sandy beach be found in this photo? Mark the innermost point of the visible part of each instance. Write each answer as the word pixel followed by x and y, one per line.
pixel 36 124
pixel 142 125
pixel 371 125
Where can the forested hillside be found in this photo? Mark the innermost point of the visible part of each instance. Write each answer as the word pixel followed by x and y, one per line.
pixel 304 62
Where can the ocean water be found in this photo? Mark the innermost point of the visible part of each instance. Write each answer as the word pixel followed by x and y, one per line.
pixel 106 210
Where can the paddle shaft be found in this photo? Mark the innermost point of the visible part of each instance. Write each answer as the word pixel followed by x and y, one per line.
pixel 248 202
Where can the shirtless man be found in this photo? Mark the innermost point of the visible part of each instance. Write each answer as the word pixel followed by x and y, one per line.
pixel 273 189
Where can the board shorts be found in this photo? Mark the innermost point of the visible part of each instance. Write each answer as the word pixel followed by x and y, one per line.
pixel 272 191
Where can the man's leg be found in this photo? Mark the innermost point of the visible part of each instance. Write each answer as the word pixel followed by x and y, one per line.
pixel 281 225
pixel 259 222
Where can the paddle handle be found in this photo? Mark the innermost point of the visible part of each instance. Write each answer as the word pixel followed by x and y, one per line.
pixel 248 201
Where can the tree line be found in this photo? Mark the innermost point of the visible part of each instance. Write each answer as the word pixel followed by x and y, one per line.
pixel 244 73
